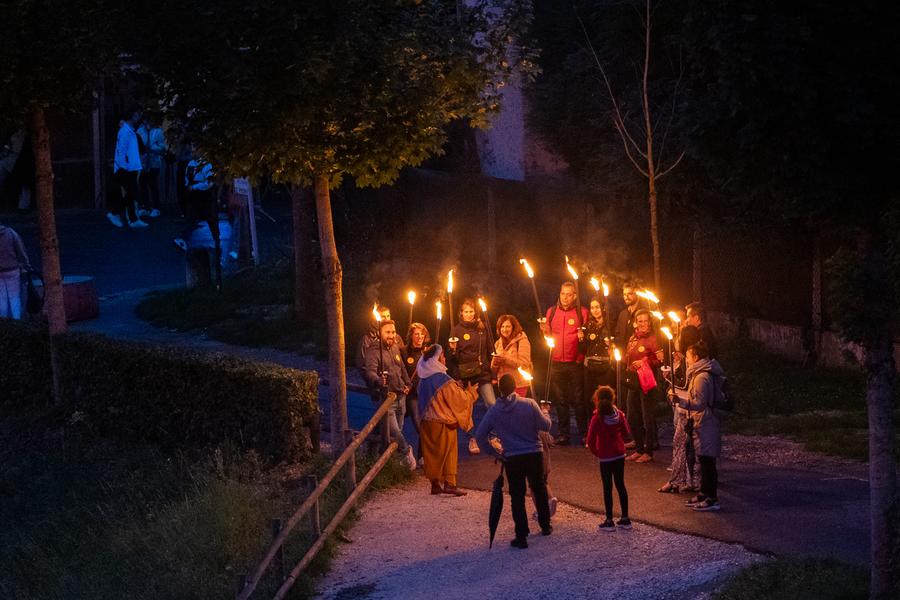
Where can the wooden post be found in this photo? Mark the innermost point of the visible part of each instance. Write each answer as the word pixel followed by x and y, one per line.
pixel 315 431
pixel 277 526
pixel 385 432
pixel 351 462
pixel 310 483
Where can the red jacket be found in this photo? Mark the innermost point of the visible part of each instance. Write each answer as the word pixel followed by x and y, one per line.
pixel 607 434
pixel 641 347
pixel 564 329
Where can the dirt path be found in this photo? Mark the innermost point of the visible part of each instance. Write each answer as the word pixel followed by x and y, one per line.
pixel 409 544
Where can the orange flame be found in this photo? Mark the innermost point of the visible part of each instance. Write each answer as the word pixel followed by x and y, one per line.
pixel 411 296
pixel 438 306
pixel 525 374
pixel 450 282
pixel 528 269
pixel 595 283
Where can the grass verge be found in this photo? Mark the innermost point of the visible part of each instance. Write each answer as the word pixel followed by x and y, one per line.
pixel 822 408
pixel 84 518
pixel 797 579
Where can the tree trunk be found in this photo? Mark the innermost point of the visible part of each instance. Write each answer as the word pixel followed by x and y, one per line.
pixel 884 508
pixel 52 274
pixel 651 165
pixel 654 234
pixel 332 274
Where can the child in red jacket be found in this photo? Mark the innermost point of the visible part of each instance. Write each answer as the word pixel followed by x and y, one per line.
pixel 607 435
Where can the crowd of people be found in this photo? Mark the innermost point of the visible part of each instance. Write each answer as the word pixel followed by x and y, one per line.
pixel 609 377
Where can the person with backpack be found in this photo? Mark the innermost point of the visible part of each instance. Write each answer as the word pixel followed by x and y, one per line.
pixel 565 324
pixel 705 390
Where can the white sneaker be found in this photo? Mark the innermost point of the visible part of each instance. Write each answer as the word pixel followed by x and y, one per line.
pixel 142 213
pixel 154 213
pixel 553 502
pixel 473 447
pixel 138 224
pixel 114 219
pixel 410 459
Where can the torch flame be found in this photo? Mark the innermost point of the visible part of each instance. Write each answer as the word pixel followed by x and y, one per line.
pixel 551 343
pixel 571 269
pixel 666 331
pixel 651 297
pixel 605 290
pixel 482 304
pixel 375 312
pixel 617 354
pixel 528 270
pixel 438 307
pixel 657 314
pixel 411 296
pixel 525 374
pixel 450 282
pixel 595 283
pixel 673 316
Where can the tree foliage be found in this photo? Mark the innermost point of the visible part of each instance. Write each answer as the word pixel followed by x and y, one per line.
pixel 359 88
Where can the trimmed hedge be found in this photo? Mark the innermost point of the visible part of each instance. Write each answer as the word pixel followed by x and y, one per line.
pixel 170 396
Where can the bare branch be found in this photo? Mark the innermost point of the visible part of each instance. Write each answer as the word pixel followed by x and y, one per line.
pixel 637 166
pixel 674 164
pixel 662 145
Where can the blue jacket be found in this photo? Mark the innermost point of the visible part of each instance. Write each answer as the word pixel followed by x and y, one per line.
pixel 516 421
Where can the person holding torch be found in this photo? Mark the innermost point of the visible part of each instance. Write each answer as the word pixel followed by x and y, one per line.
pixel 563 323
pixel 468 357
pixel 512 353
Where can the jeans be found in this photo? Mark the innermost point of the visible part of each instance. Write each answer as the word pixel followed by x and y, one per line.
pixel 567 393
pixel 128 181
pixel 528 467
pixel 150 188
pixel 394 415
pixel 614 471
pixel 641 419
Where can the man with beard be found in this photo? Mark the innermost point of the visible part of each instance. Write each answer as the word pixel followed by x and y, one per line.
pixel 625 322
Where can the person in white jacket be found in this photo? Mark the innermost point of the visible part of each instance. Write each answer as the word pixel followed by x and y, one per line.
pixel 126 170
pixel 154 142
pixel 13 262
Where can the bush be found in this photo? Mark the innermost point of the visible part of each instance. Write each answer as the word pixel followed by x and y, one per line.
pixel 798 579
pixel 169 396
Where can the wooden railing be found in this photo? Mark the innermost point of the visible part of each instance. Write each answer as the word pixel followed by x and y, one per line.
pixel 348 458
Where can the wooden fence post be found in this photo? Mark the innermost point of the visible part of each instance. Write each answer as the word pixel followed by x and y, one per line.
pixel 351 462
pixel 279 557
pixel 310 483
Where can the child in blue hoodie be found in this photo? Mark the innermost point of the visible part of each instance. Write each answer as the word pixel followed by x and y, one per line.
pixel 518 422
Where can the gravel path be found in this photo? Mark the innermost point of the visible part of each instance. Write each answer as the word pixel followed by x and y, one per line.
pixel 409 544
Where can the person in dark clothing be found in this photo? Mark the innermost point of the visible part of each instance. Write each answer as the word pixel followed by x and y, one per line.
pixel 625 321
pixel 517 422
pixel 468 359
pixel 696 317
pixel 606 440
pixel 417 340
pixel 598 367
pixel 642 347
pixel 565 325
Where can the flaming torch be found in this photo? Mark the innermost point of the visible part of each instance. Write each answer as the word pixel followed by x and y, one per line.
pixel 537 303
pixel 450 296
pixel 669 336
pixel 551 344
pixel 440 317
pixel 382 373
pixel 411 296
pixel 574 275
pixel 675 319
pixel 618 356
pixel 527 377
pixel 487 322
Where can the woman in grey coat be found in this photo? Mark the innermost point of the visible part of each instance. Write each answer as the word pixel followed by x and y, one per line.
pixel 704 377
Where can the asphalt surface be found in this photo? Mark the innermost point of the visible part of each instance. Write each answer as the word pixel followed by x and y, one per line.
pixel 772 510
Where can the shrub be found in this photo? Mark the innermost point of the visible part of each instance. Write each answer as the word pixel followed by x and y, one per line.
pixel 798 579
pixel 169 396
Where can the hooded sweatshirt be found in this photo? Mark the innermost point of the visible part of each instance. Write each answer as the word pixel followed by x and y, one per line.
pixel 12 252
pixel 517 422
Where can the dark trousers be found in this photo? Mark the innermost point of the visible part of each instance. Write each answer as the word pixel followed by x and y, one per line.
pixel 150 189
pixel 596 375
pixel 709 477
pixel 639 410
pixel 567 394
pixel 614 471
pixel 128 181
pixel 519 469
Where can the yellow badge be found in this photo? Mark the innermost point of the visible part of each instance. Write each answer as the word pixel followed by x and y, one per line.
pixel 571 321
pixel 466 336
pixel 641 348
pixel 593 336
pixel 410 360
pixel 397 357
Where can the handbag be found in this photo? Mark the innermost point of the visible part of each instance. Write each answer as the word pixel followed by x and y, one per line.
pixel 470 369
pixel 646 378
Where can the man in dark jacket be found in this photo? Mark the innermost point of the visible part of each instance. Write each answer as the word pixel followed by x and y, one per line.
pixel 385 373
pixel 518 422
pixel 696 317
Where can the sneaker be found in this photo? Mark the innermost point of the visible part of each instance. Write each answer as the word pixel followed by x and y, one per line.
pixel 553 503
pixel 519 543
pixel 138 224
pixel 116 220
pixel 624 523
pixel 474 449
pixel 421 462
pixel 633 456
pixel 698 499
pixel 182 245
pixel 410 459
pixel 547 531
pixel 141 212
pixel 709 504
pixel 607 526
pixel 154 213
pixel 644 458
